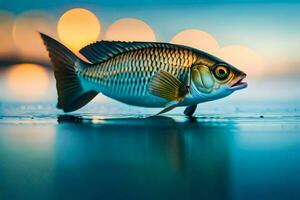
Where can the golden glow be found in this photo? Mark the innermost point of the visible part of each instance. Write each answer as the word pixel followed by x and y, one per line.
pixel 129 29
pixel 28 82
pixel 243 58
pixel 26 36
pixel 197 39
pixel 77 28
pixel 6 27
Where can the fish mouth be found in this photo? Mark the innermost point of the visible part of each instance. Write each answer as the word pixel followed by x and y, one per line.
pixel 239 84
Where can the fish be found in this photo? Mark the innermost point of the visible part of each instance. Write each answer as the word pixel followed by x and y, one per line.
pixel 147 74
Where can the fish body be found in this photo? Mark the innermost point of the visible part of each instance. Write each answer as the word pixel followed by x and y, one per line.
pixel 148 74
pixel 126 77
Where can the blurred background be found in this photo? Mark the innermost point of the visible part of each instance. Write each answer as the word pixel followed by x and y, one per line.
pixel 260 37
pixel 245 146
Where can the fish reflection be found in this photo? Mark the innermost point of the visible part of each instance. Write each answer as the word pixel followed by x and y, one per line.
pixel 27 161
pixel 144 156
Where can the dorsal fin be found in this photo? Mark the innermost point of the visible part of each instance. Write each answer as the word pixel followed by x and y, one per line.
pixel 103 50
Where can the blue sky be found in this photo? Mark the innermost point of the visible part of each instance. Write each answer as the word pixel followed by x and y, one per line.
pixel 270 27
pixel 21 5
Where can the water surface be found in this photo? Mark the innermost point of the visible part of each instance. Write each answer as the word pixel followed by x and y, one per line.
pixel 232 154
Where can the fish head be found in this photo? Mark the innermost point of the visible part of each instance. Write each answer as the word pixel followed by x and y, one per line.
pixel 210 82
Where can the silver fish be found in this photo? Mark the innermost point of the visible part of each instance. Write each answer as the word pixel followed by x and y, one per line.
pixel 148 74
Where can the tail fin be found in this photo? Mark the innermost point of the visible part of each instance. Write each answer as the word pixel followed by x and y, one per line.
pixel 71 95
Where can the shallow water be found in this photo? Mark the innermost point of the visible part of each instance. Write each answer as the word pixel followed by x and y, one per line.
pixel 240 153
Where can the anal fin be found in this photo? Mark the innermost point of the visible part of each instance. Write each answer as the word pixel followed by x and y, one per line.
pixel 190 110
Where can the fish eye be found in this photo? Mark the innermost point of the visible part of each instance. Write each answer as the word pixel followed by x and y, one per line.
pixel 221 72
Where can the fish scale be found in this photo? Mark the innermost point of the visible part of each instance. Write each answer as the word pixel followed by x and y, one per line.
pixel 128 74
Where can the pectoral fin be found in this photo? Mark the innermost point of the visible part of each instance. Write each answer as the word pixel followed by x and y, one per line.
pixel 189 111
pixel 170 106
pixel 165 85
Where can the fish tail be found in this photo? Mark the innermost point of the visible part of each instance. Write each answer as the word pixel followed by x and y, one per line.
pixel 71 94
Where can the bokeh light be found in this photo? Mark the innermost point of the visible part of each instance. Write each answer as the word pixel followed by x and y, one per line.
pixel 240 56
pixel 26 34
pixel 78 27
pixel 197 39
pixel 243 58
pixel 7 47
pixel 129 29
pixel 27 82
